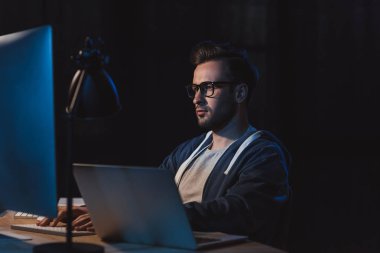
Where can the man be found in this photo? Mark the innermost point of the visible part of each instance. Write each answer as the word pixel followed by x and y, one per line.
pixel 233 178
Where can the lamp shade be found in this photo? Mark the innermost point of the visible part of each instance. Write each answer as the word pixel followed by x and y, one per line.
pixel 92 92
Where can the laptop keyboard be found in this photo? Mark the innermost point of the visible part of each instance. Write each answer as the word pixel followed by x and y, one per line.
pixel 48 230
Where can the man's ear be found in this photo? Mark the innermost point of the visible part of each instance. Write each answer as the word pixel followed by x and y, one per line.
pixel 241 92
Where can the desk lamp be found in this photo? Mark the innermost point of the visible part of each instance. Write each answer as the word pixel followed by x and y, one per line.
pixel 92 95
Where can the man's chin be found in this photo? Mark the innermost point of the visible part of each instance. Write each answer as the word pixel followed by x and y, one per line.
pixel 204 125
pixel 211 125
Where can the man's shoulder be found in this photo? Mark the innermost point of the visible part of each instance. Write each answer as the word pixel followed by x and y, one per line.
pixel 258 143
pixel 257 138
pixel 267 138
pixel 269 143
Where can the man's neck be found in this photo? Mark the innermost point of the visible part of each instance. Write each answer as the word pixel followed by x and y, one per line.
pixel 229 133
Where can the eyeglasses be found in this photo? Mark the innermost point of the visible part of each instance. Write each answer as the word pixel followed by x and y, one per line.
pixel 206 88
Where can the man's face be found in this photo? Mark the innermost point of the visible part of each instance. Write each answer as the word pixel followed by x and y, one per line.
pixel 213 113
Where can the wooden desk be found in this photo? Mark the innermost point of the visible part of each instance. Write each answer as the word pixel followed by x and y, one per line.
pixel 37 238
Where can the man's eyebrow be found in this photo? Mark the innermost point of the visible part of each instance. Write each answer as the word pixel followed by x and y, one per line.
pixel 205 82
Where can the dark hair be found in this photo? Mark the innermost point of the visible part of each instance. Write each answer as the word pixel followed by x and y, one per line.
pixel 236 58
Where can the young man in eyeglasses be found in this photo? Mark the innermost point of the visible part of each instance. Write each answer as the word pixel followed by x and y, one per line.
pixel 233 178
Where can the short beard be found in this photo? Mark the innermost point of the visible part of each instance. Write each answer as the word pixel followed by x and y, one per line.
pixel 217 123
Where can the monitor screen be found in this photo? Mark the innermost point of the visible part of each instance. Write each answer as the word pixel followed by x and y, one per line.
pixel 27 134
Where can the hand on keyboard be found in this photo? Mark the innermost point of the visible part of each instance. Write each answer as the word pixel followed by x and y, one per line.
pixel 81 222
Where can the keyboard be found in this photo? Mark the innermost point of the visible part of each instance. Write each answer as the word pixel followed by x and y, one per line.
pixel 22 215
pixel 48 230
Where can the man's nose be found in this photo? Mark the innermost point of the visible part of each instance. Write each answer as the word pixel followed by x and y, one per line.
pixel 198 97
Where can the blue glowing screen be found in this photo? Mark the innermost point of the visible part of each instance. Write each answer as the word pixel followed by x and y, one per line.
pixel 27 139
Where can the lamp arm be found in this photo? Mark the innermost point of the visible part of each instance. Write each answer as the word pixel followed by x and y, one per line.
pixel 76 85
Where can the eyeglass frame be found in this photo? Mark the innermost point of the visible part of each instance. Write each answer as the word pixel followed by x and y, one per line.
pixel 204 86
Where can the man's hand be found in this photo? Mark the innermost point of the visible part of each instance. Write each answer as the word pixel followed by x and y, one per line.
pixel 83 223
pixel 81 218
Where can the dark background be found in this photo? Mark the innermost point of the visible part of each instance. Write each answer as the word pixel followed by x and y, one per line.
pixel 318 92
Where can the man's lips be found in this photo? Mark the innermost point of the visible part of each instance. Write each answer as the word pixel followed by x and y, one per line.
pixel 200 112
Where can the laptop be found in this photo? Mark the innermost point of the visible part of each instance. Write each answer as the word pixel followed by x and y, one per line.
pixel 140 205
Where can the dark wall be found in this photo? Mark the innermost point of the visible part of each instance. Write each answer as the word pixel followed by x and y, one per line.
pixel 318 92
pixel 328 57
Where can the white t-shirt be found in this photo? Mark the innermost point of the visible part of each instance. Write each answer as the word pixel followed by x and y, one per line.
pixel 194 178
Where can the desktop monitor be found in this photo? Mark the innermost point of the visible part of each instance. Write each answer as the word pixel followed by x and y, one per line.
pixel 27 134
